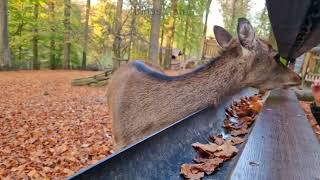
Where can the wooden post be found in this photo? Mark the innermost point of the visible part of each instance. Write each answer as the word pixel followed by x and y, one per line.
pixel 305 67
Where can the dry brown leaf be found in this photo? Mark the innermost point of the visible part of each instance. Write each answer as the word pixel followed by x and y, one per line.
pixel 205 149
pixel 240 132
pixel 85 145
pixel 236 140
pixel 256 106
pixel 227 150
pixel 210 165
pixel 189 171
pixel 217 139
pixel 200 160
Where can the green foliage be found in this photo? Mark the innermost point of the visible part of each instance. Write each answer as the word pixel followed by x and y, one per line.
pixel 191 14
pixel 264 26
pixel 188 29
pixel 231 11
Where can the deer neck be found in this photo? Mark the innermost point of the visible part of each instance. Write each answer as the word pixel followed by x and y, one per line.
pixel 212 82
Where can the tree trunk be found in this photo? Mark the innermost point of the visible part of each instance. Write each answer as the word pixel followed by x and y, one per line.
pixel 233 14
pixel 5 60
pixel 205 29
pixel 35 59
pixel 117 36
pixel 134 5
pixel 186 31
pixel 53 63
pixel 86 37
pixel 67 40
pixel 162 36
pixel 161 46
pixel 272 39
pixel 155 32
pixel 170 35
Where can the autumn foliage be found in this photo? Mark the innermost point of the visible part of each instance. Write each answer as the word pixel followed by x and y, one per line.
pixel 49 129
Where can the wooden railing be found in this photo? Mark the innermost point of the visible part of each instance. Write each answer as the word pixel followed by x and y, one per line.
pixel 311 77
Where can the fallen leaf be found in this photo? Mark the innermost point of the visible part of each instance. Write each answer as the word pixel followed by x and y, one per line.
pixel 85 145
pixel 32 173
pixel 209 166
pixel 240 132
pixel 189 171
pixel 200 160
pixel 227 150
pixel 205 149
pixel 217 139
pixel 256 106
pixel 236 140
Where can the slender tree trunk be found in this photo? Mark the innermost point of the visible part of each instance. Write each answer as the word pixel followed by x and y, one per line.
pixel 86 36
pixel 155 32
pixel 20 46
pixel 162 36
pixel 205 29
pixel 53 62
pixel 186 31
pixel 67 39
pixel 170 35
pixel 233 15
pixel 19 32
pixel 272 39
pixel 161 46
pixel 134 5
pixel 117 36
pixel 35 59
pixel 5 59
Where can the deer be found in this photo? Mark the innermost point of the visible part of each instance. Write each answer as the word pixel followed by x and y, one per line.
pixel 143 99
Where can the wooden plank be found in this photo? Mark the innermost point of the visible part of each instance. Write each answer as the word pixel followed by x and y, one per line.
pixel 281 145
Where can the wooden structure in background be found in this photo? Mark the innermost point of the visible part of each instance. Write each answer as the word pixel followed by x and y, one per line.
pixel 311 66
pixel 211 48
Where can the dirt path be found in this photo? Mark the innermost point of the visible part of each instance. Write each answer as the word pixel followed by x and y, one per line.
pixel 49 129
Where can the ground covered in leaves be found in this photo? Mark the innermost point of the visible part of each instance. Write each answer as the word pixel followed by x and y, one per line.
pixel 49 129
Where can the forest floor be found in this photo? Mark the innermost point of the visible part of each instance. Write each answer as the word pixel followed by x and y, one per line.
pixel 48 128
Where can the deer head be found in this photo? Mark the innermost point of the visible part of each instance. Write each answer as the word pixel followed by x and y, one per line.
pixel 262 67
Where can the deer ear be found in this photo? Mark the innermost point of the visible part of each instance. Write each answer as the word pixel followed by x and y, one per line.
pixel 222 36
pixel 246 33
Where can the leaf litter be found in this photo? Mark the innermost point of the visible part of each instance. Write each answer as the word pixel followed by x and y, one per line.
pixel 49 129
pixel 239 118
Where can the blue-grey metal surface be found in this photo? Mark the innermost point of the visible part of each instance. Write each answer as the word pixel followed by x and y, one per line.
pixel 161 155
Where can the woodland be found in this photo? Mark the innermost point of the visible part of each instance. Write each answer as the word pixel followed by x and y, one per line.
pixel 79 34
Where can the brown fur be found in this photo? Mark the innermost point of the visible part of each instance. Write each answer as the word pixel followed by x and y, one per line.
pixel 141 104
